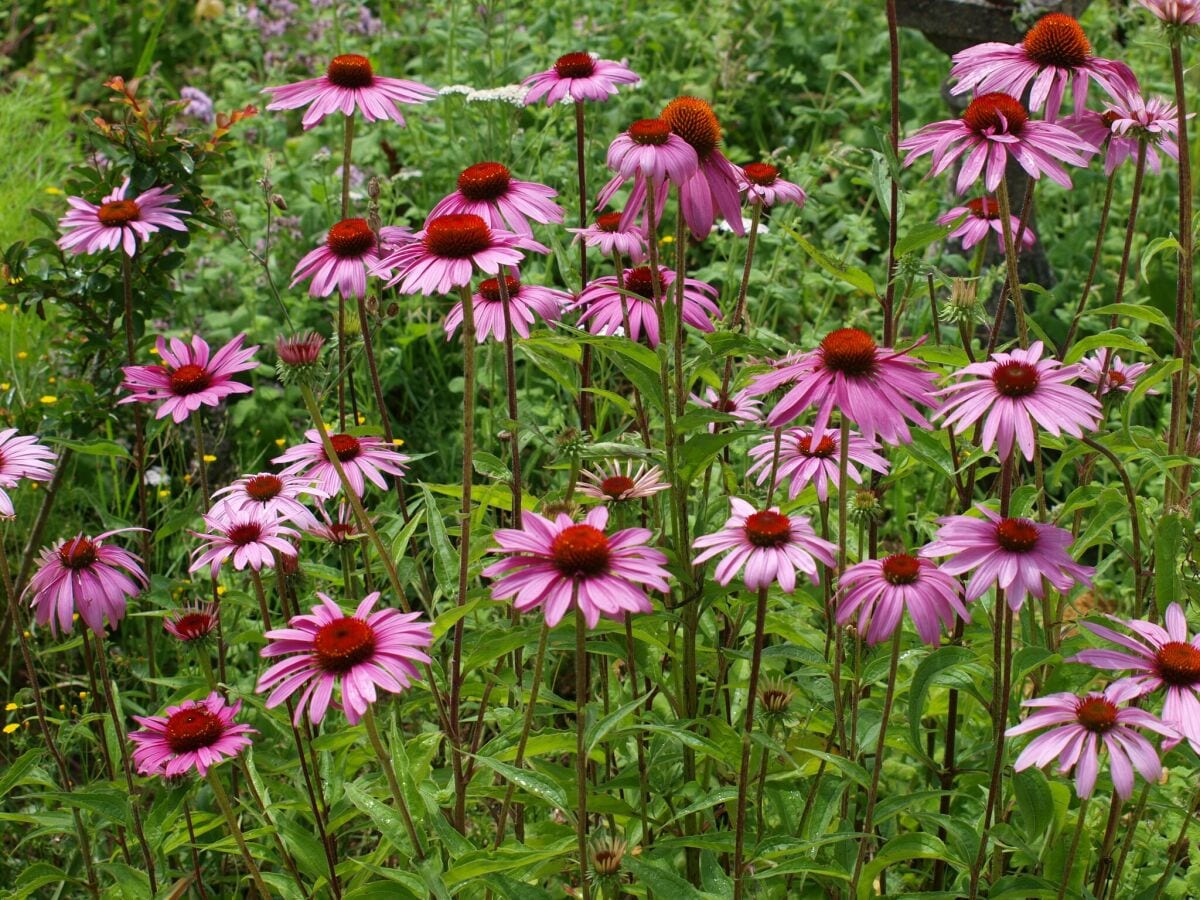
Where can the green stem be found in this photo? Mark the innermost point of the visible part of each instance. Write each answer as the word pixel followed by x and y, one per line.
pixel 389 771
pixel 581 691
pixel 1080 815
pixel 739 851
pixel 218 790
pixel 526 725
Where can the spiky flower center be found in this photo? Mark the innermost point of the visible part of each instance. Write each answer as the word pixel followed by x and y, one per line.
pixel 192 626
pixel 345 446
pixel 343 644
pixel 983 208
pixel 761 174
pixel 244 533
pixel 116 213
pixel 574 65
pixel 850 351
pixel 693 120
pixel 78 553
pixel 264 487
pixel 580 550
pixel 189 379
pixel 996 113
pixel 615 486
pixel 1057 40
pixel 300 349
pixel 1178 663
pixel 457 236
pixel 340 533
pixel 609 222
pixel 900 568
pixel 484 181
pixel 825 448
pixel 607 855
pixel 1116 379
pixel 350 71
pixel 776 696
pixel 1096 714
pixel 350 239
pixel 489 288
pixel 641 280
pixel 768 529
pixel 650 132
pixel 1015 379
pixel 1109 117
pixel 1016 535
pixel 193 729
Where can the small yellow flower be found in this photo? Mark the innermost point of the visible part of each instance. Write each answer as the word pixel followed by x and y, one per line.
pixel 74 617
pixel 52 380
pixel 280 442
pixel 21 354
pixel 48 399
pixel 154 351
pixel 9 707
pixel 26 632
pixel 221 590
pixel 397 442
pixel 187 479
pixel 3 307
pixel 83 695
pixel 164 494
pixel 62 707
pixel 4 386
pixel 11 727
pixel 361 419
pixel 33 485
pixel 209 458
pixel 54 191
pixel 667 239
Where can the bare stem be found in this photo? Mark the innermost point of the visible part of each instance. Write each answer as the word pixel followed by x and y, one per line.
pixel 218 790
pixel 581 692
pixel 389 771
pixel 739 845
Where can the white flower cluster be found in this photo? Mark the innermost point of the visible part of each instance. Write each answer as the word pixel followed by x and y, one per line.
pixel 509 93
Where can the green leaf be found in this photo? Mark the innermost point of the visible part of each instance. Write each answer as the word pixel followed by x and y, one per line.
pixel 504 859
pixel 533 783
pixel 489 466
pixel 1117 339
pixel 933 665
pixel 1155 247
pixel 92 448
pixel 110 803
pixel 902 848
pixel 36 876
pixel 920 237
pixel 387 821
pixel 1035 804
pixel 1167 541
pixel 14 774
pixel 662 879
pixel 1144 313
pixel 853 276
pixel 445 560
pixel 700 449
pixel 599 729
pixel 132 884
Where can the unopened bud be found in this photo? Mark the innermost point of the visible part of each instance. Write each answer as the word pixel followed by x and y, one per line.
pixel 278 202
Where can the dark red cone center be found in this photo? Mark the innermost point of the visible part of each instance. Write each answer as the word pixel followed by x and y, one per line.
pixel 345 446
pixel 189 379
pixel 1178 663
pixel 484 181
pixel 693 120
pixel 616 485
pixel 900 568
pixel 1057 40
pixel 78 553
pixel 609 222
pixel 761 174
pixel 825 448
pixel 850 351
pixel 984 208
pixel 640 281
pixel 350 239
pixel 768 529
pixel 343 644
pixel 118 212
pixel 195 625
pixel 574 65
pixel 244 533
pixel 650 132
pixel 457 236
pixel 997 113
pixel 350 71
pixel 580 550
pixel 193 728
pixel 1016 535
pixel 1096 714
pixel 489 288
pixel 264 487
pixel 1016 379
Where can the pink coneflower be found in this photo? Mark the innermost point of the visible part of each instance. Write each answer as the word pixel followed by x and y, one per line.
pixel 577 77
pixel 347 84
pixel 994 128
pixel 358 653
pixel 84 574
pixel 21 456
pixel 1008 553
pixel 1160 658
pixel 805 458
pixel 250 537
pixel 980 216
pixel 879 590
pixel 189 378
pixel 742 406
pixel 1017 390
pixel 196 734
pixel 1174 12
pixel 1126 122
pixel 770 545
pixel 277 495
pixel 714 187
pixel 488 190
pixel 1055 53
pixel 191 624
pixel 118 222
pixel 363 459
pixel 608 234
pixel 342 262
pixel 650 156
pixel 1081 726
pixel 1121 376
pixel 339 530
pixel 605 308
pixel 524 301
pixel 442 257
pixel 760 182
pixel 617 484
pixel 560 564
pixel 875 387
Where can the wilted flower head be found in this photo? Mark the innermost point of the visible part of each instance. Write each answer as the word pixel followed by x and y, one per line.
pixel 1174 12
pixel 714 186
pixel 85 574
pixel 1127 121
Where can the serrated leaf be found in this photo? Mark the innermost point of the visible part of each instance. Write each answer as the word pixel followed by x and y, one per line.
pixel 853 276
pixel 599 729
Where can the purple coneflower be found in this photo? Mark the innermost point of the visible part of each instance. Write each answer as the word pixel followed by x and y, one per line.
pixel 980 216
pixel 875 387
pixel 347 84
pixel 358 653
pixel 1121 376
pixel 714 186
pixel 339 530
pixel 118 222
pixel 994 128
pixel 560 564
pixel 770 545
pixel 84 574
pixel 196 734
pixel 605 308
pixel 363 459
pixel 21 456
pixel 342 262
pixel 189 378
pixel 1015 390
pixel 743 406
pixel 609 235
pixel 1011 554
pixel 616 484
pixel 443 255
pixel 578 76
pixel 1055 53
pixel 1159 658
pixel 653 158
pixel 760 182
pixel 1127 121
pixel 879 590
pixel 1080 726
pixel 250 537
pixel 193 623
pixel 524 301
pixel 276 495
pixel 805 458
pixel 1174 12
pixel 488 190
